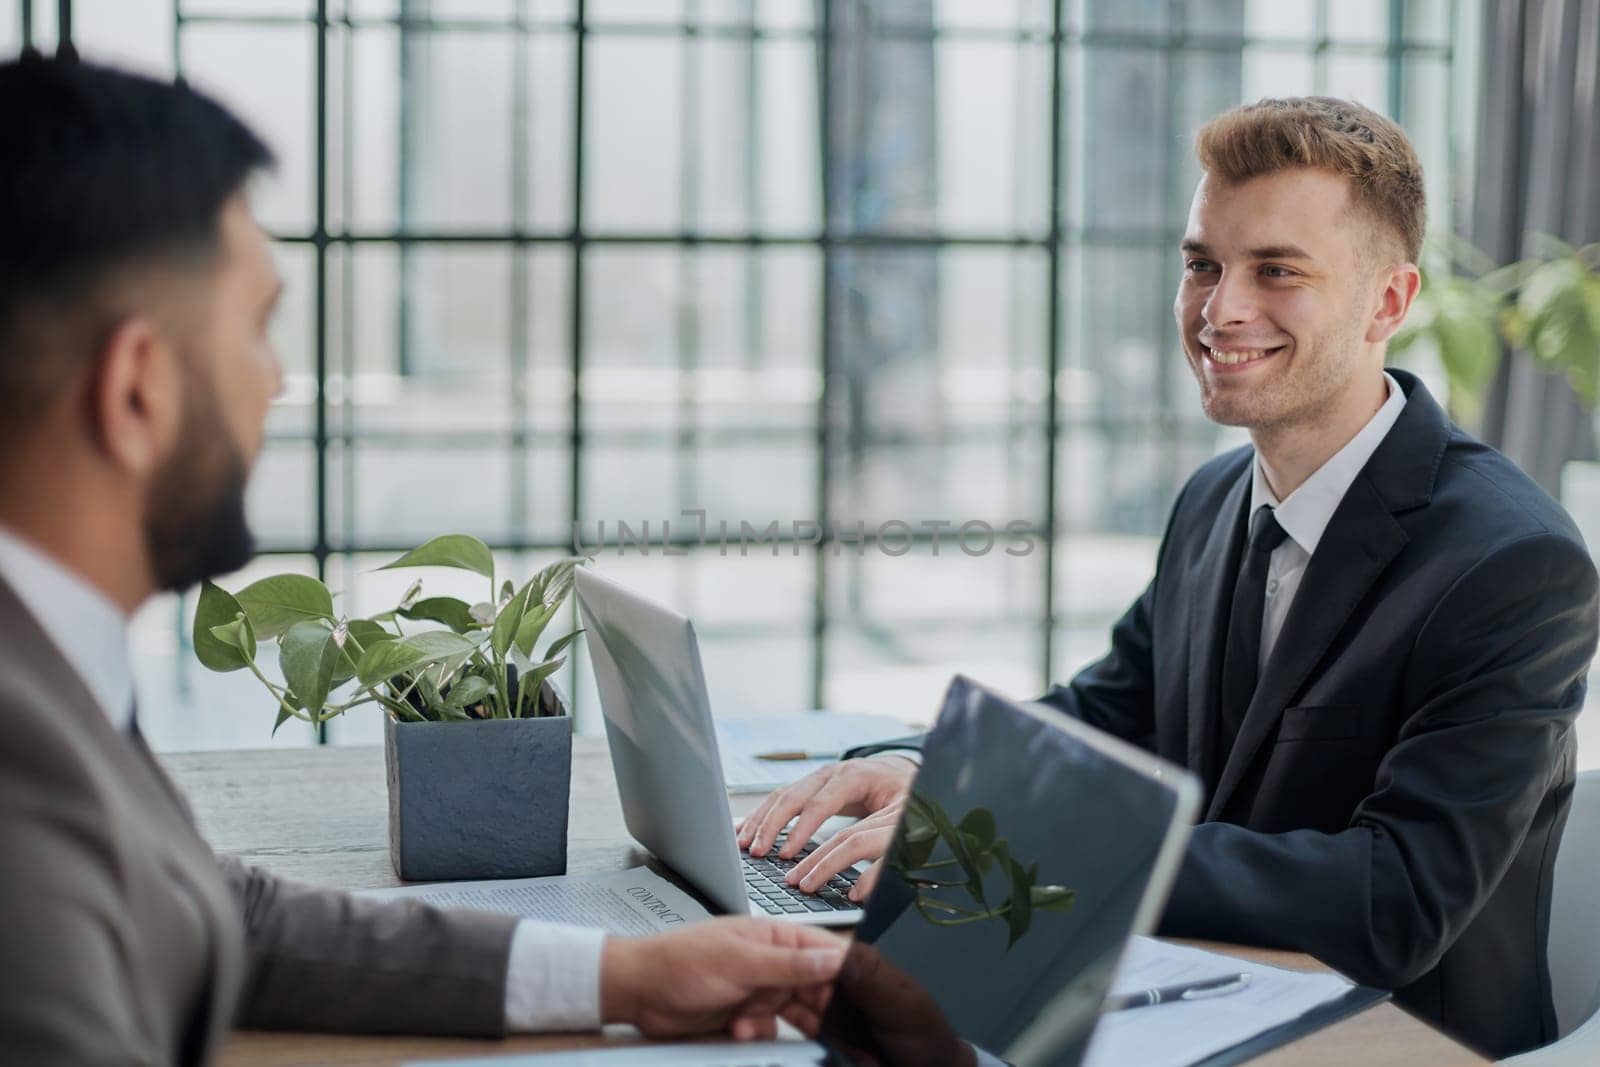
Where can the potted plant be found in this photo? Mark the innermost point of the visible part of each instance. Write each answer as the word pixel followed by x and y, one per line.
pixel 477 738
pixel 1547 305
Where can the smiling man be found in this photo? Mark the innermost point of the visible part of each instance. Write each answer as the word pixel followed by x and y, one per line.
pixel 1368 633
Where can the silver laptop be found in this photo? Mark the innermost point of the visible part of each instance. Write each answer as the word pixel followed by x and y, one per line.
pixel 664 749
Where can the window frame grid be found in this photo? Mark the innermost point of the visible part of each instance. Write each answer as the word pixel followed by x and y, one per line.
pixel 1057 241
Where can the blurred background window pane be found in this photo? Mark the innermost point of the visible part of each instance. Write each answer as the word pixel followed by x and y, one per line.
pixel 277 98
pixel 745 269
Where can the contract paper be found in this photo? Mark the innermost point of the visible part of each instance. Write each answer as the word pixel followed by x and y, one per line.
pixel 635 901
pixel 1183 1033
pixel 741 740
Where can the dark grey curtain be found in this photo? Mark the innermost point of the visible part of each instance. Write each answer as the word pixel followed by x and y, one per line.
pixel 1538 170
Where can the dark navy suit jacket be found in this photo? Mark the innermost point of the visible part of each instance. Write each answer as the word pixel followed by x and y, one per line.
pixel 1395 796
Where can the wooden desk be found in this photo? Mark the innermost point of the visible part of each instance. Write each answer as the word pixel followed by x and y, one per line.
pixel 321 815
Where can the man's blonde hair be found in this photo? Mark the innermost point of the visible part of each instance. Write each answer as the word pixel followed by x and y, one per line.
pixel 1333 135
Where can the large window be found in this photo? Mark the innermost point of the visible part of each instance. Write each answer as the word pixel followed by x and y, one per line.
pixel 880 268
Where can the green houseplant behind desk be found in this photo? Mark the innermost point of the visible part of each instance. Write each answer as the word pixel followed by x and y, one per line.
pixel 478 740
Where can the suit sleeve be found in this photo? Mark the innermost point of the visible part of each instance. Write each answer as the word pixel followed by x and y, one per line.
pixel 63 973
pixel 1495 679
pixel 321 959
pixel 1117 692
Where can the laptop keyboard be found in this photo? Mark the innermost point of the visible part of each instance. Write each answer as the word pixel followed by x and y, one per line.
pixel 763 879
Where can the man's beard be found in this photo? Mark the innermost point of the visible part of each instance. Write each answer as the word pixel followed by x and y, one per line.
pixel 195 526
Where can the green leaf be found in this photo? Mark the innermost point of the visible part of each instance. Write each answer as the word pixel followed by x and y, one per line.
pixel 389 658
pixel 1053 898
pixel 1561 311
pixel 985 860
pixel 509 620
pixel 413 591
pixel 979 826
pixel 362 633
pixel 918 823
pixel 1549 246
pixel 528 685
pixel 958 846
pixel 277 603
pixel 1020 916
pixel 238 636
pixel 454 613
pixel 915 854
pixel 559 645
pixel 532 625
pixel 467 692
pixel 555 580
pixel 309 656
pixel 918 837
pixel 1463 252
pixel 217 607
pixel 368 633
pixel 1505 280
pixel 1469 344
pixel 460 551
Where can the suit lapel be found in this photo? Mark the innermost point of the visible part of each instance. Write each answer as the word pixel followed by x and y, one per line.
pixel 1218 569
pixel 1361 539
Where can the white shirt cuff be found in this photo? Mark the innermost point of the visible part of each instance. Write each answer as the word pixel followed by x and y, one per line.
pixel 912 754
pixel 553 981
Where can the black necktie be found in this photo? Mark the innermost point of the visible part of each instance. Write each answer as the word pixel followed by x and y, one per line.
pixel 1242 660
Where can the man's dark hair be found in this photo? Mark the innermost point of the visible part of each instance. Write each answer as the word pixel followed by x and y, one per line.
pixel 100 171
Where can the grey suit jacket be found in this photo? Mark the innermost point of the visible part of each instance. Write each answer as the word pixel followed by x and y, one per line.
pixel 123 938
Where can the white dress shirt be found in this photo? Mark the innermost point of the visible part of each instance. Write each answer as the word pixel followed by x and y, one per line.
pixel 85 626
pixel 553 981
pixel 1305 515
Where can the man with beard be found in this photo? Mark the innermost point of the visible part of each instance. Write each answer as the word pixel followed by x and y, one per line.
pixel 135 376
pixel 1368 633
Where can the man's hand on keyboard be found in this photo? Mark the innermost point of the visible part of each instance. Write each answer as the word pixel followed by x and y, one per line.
pixel 866 840
pixel 735 975
pixel 857 787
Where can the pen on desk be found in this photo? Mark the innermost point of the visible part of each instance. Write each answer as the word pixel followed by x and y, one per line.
pixel 796 755
pixel 1210 987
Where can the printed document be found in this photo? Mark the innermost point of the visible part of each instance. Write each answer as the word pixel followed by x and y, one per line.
pixel 1182 1033
pixel 636 901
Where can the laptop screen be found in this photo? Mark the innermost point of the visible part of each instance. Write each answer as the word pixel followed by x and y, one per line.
pixel 1018 871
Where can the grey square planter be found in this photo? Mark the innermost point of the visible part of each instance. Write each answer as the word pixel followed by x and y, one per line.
pixel 480 799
